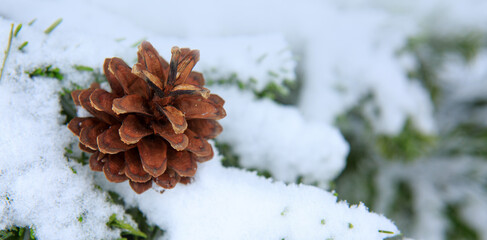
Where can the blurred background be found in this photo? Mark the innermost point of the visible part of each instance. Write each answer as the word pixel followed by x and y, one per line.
pixel 384 102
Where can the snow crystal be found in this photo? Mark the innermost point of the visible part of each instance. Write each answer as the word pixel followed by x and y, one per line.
pixel 228 203
pixel 277 138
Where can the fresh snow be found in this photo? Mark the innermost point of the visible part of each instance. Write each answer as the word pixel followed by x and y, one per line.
pixel 228 203
pixel 261 131
pixel 38 188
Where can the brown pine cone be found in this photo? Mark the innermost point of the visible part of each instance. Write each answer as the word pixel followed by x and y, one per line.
pixel 154 124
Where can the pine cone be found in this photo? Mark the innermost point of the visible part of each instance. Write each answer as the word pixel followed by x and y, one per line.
pixel 154 124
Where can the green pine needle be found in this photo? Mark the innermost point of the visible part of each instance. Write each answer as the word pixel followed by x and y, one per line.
pixel 47 72
pixel 17 233
pixel 32 21
pixel 113 222
pixel 32 233
pixel 17 30
pixel 21 47
pixel 83 68
pixel 53 26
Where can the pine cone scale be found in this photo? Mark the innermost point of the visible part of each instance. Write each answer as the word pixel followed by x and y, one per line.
pixel 109 141
pixel 153 153
pixel 154 80
pixel 130 82
pixel 186 65
pixel 132 130
pixel 149 58
pixel 130 104
pixel 95 164
pixel 182 163
pixel 102 101
pixel 198 145
pixel 140 187
pixel 173 69
pixel 207 128
pixel 117 89
pixel 114 168
pixel 168 180
pixel 176 118
pixel 75 125
pixel 84 99
pixel 204 158
pixel 195 78
pixel 88 134
pixel 133 167
pixel 166 131
pixel 75 96
pixel 183 89
pixel 199 107
pixel 217 100
pixel 85 148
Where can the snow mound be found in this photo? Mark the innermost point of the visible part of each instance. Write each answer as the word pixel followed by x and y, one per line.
pixel 279 139
pixel 228 203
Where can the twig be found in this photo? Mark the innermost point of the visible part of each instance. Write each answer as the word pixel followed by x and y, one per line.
pixel 7 51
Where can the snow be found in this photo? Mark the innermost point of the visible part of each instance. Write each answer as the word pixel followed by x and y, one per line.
pixel 38 187
pixel 262 131
pixel 227 203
